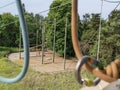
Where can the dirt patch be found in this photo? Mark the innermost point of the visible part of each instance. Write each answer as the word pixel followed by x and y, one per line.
pixel 48 66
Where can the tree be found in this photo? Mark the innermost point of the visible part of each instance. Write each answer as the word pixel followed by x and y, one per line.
pixel 90 32
pixel 60 14
pixel 110 36
pixel 113 34
pixel 34 24
pixel 8 30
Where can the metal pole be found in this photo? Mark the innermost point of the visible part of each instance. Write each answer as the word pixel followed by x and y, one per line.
pixel 20 44
pixel 43 42
pixel 65 42
pixel 54 40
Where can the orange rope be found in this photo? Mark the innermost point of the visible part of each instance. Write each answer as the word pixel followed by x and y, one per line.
pixel 111 72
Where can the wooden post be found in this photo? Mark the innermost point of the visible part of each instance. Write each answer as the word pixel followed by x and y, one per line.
pixel 37 41
pixel 20 44
pixel 43 42
pixel 54 40
pixel 65 42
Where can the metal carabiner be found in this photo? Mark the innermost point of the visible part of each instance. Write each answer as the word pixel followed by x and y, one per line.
pixel 80 80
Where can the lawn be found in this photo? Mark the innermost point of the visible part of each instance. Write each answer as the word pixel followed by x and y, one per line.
pixel 35 80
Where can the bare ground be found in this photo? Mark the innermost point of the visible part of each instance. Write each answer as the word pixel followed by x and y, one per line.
pixel 48 66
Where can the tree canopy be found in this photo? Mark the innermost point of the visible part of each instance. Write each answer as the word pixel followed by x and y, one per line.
pixel 60 13
pixel 10 29
pixel 110 35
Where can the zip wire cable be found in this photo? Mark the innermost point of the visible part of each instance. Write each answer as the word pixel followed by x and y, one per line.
pixel 117 6
pixel 26 47
pixel 7 5
pixel 112 1
pixel 54 7
pixel 99 36
pixel 114 8
pixel 7 24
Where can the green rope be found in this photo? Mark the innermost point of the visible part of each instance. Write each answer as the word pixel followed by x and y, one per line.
pixel 25 44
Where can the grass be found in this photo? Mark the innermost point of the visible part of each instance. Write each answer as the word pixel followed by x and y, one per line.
pixel 34 80
pixel 8 69
pixel 6 50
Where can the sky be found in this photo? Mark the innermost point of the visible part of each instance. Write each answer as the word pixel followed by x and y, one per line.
pixel 36 6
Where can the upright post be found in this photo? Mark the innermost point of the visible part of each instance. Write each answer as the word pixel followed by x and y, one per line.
pixel 65 42
pixel 54 40
pixel 20 44
pixel 37 41
pixel 43 42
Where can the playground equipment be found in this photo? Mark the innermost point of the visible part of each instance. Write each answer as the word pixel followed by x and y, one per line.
pixel 108 74
pixel 25 44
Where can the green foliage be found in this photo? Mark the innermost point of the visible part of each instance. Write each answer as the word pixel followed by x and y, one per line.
pixel 34 27
pixel 60 14
pixel 4 51
pixel 8 69
pixel 110 35
pixel 8 30
pixel 39 81
pixel 4 59
pixel 35 80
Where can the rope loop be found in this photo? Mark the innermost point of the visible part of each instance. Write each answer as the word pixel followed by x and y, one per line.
pixel 26 47
pixel 109 74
